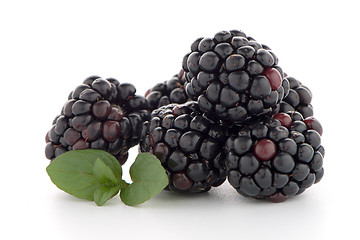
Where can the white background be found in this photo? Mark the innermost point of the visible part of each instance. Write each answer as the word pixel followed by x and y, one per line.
pixel 48 47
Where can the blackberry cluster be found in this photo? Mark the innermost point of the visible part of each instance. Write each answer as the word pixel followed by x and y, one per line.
pixel 189 146
pixel 298 99
pixel 275 158
pixel 234 77
pixel 230 113
pixel 165 93
pixel 99 114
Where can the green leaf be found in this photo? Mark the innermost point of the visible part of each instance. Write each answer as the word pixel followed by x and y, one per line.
pixel 108 159
pixel 104 174
pixel 104 193
pixel 73 172
pixel 149 178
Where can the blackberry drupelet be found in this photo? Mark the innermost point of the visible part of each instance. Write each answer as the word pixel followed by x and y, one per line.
pixel 234 77
pixel 189 146
pixel 167 92
pixel 298 99
pixel 99 114
pixel 275 158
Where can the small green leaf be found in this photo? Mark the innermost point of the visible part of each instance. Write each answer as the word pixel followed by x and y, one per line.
pixel 149 178
pixel 73 172
pixel 104 174
pixel 109 160
pixel 104 193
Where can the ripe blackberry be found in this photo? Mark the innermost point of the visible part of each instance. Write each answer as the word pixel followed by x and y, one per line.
pixel 99 114
pixel 275 158
pixel 167 92
pixel 189 146
pixel 234 77
pixel 298 99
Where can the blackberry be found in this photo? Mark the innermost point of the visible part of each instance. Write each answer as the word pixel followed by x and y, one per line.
pixel 234 77
pixel 99 114
pixel 189 146
pixel 167 92
pixel 275 158
pixel 298 99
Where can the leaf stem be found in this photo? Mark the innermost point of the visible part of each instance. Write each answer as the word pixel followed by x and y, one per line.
pixel 123 184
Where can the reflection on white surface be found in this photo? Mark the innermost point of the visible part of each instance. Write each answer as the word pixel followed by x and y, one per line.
pixel 221 212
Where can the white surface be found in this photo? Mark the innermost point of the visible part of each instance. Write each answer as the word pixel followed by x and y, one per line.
pixel 48 47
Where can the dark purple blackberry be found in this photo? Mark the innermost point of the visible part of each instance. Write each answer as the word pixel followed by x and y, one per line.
pixel 189 146
pixel 233 77
pixel 167 92
pixel 99 114
pixel 298 99
pixel 275 158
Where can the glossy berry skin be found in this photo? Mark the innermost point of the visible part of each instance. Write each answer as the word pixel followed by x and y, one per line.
pixel 233 77
pixel 298 98
pixel 167 92
pixel 189 146
pixel 274 159
pixel 265 150
pixel 99 114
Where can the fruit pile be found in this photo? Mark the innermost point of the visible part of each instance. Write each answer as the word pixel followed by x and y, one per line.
pixel 230 113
